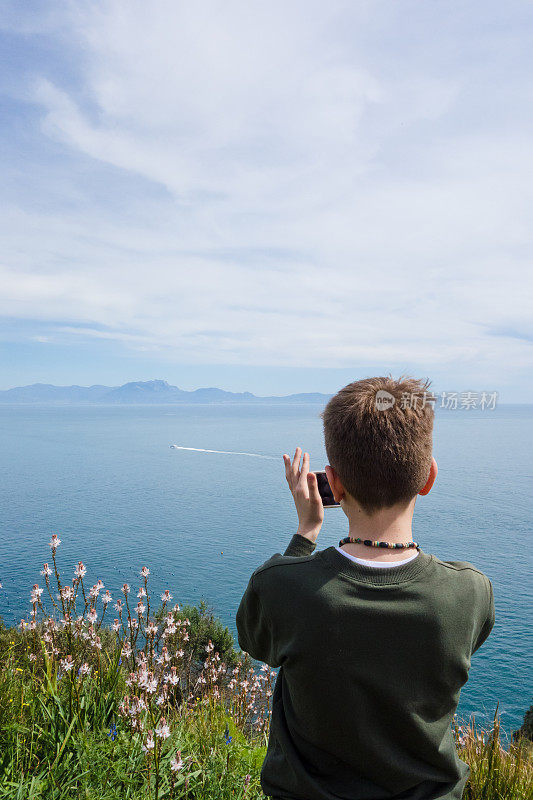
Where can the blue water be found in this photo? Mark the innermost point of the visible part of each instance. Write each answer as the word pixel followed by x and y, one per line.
pixel 106 480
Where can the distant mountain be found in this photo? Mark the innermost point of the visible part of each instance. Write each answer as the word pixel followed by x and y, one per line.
pixel 141 393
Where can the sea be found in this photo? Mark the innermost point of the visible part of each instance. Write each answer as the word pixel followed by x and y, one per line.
pixel 106 480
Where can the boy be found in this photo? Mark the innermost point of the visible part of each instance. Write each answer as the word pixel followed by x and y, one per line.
pixel 373 642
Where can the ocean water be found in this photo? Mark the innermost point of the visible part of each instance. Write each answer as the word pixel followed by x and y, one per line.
pixel 106 481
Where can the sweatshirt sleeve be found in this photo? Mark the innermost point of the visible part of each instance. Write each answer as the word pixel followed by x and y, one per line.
pixel 299 546
pixel 253 628
pixel 489 621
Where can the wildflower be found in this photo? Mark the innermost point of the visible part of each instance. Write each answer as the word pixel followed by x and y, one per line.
pixel 67 592
pixel 112 732
pixel 84 669
pixel 118 606
pixel 141 592
pixel 46 571
pixel 162 730
pixel 97 643
pixel 210 646
pixel 140 608
pixel 149 744
pixel 94 592
pixel 36 593
pixel 177 762
pixel 173 678
pixel 166 596
pixel 33 657
pixel 150 683
pixel 66 663
pixel 99 584
pixel 126 650
pixel 80 570
pixel 107 597
pixel 55 542
pixel 151 629
pixel 125 589
pixel 92 615
pixel 145 572
pixel 247 779
pixel 180 653
pixel 227 737
pixel 115 626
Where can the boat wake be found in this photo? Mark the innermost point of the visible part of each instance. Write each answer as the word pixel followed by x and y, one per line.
pixel 225 452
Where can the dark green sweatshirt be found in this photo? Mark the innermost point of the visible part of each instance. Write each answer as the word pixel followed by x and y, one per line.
pixel 372 661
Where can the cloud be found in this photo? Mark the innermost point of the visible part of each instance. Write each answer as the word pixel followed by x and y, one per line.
pixel 291 183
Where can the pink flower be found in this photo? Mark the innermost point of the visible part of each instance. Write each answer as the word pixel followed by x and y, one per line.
pixel 66 663
pixel 177 762
pixel 162 730
pixel 141 592
pixel 55 542
pixel 36 593
pixel 149 744
pixel 125 589
pixel 166 596
pixel 145 572
pixel 80 570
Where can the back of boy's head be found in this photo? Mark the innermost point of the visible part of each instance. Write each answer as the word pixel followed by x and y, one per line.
pixel 378 438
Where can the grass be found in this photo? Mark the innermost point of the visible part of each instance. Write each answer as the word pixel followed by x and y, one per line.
pixel 159 705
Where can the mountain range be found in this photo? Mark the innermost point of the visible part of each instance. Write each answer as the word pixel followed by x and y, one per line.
pixel 141 393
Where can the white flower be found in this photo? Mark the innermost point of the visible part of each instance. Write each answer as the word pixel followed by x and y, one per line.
pixel 162 730
pixel 125 588
pixel 85 669
pixel 140 608
pixel 145 572
pixel 67 592
pixel 55 542
pixel 166 596
pixel 92 616
pixel 66 663
pixel 141 592
pixel 80 570
pixel 177 762
pixel 149 744
pixel 46 571
pixel 115 626
pixel 36 593
pixel 107 597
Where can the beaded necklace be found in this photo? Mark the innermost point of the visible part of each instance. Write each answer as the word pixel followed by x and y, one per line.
pixel 377 543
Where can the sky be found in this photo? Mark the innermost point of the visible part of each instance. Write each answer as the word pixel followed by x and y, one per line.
pixel 268 197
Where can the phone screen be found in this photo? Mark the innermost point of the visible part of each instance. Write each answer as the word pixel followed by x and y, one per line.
pixel 328 501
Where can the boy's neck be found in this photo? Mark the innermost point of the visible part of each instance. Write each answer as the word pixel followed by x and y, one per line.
pixel 392 525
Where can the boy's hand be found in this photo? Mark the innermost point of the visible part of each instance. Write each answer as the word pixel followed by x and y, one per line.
pixel 304 488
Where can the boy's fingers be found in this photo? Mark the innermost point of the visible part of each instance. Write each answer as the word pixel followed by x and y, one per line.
pixel 314 494
pixel 305 469
pixel 296 462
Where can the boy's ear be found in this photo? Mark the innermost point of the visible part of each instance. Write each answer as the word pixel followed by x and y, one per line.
pixel 335 482
pixel 431 479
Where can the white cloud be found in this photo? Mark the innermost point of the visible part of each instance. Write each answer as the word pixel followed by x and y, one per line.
pixel 325 195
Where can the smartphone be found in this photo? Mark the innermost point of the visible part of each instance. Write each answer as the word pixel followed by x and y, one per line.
pixel 328 501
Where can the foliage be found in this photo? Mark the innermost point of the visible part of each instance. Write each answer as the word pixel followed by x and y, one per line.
pixel 158 705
